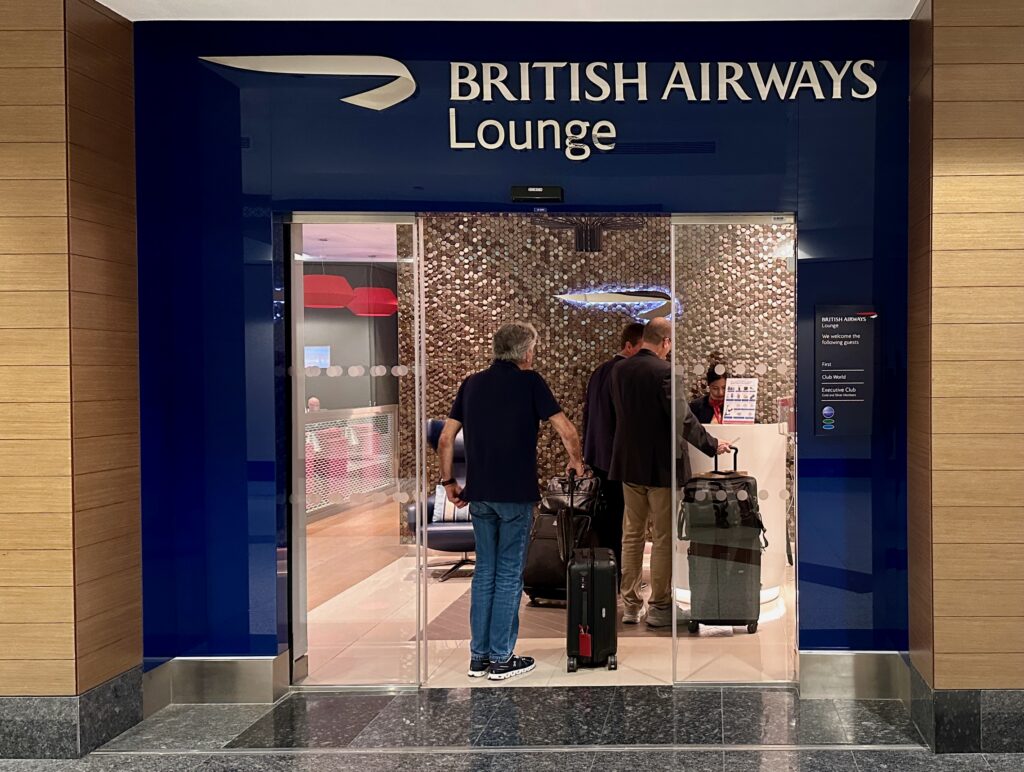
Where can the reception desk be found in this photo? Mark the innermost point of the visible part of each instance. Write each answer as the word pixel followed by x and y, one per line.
pixel 762 454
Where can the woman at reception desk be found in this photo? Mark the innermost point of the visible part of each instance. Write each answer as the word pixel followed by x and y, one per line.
pixel 708 408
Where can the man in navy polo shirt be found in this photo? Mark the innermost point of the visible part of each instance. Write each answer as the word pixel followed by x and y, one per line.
pixel 499 410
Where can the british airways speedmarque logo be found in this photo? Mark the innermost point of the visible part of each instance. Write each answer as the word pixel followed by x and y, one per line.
pixel 378 98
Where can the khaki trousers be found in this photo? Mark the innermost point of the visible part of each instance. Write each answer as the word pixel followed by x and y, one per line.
pixel 643 502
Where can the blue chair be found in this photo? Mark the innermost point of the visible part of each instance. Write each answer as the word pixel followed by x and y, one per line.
pixel 446 537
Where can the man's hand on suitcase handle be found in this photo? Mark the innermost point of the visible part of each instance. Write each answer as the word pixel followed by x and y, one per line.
pixel 724 447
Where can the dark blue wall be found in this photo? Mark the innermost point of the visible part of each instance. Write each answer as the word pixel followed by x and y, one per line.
pixel 221 152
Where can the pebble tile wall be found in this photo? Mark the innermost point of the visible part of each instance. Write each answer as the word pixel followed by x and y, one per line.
pixel 483 270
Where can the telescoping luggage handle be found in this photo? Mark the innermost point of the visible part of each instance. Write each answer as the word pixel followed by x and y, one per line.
pixel 565 533
pixel 735 461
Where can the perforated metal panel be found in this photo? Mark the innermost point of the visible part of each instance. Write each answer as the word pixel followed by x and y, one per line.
pixel 348 457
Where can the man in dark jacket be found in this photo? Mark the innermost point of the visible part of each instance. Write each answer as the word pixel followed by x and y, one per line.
pixel 598 433
pixel 642 453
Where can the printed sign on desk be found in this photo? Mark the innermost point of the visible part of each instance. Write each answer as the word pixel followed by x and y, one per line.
pixel 844 350
pixel 740 401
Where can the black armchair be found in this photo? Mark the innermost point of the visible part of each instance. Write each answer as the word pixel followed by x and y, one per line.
pixel 446 537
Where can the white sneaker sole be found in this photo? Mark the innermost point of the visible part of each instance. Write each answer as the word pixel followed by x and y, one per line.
pixel 510 674
pixel 476 673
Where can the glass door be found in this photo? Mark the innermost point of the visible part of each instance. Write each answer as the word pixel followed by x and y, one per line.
pixel 734 362
pixel 357 506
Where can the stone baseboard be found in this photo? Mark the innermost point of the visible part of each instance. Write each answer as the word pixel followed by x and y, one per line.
pixel 70 727
pixel 967 720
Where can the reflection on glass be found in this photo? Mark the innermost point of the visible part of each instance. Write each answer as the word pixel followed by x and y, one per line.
pixel 362 613
pixel 734 587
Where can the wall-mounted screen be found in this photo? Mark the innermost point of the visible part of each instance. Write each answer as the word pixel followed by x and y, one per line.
pixel 318 356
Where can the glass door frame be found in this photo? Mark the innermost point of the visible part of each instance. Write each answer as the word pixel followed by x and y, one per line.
pixel 298 567
pixel 753 218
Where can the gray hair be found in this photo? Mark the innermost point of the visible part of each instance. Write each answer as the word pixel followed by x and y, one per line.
pixel 513 341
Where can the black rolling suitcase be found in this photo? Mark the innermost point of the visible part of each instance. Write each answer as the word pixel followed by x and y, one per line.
pixel 721 520
pixel 592 633
pixel 554 535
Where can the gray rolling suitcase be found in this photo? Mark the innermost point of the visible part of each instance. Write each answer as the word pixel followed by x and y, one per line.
pixel 725 582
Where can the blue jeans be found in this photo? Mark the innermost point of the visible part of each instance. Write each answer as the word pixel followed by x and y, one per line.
pixel 502 530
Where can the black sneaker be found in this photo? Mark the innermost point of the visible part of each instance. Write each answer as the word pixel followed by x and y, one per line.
pixel 511 668
pixel 478 667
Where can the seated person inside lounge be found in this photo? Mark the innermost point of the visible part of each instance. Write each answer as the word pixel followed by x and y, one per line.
pixel 708 409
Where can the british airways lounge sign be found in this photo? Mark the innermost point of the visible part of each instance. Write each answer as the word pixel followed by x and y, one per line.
pixel 576 82
pixel 622 82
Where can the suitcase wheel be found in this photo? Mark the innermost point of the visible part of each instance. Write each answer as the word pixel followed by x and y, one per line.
pixel 752 628
pixel 693 626
pixel 572 665
pixel 613 662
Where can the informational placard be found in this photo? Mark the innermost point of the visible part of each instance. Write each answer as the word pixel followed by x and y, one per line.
pixel 740 401
pixel 844 351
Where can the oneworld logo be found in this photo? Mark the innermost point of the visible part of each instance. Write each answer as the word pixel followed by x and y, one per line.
pixel 378 98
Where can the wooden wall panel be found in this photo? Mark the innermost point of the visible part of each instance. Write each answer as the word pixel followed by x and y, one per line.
pixel 980 524
pixel 953 452
pixel 995 635
pixel 1000 562
pixel 38 605
pixel 100 489
pixel 31 48
pixel 44 641
pixel 36 532
pixel 979 13
pixel 979 120
pixel 35 310
pixel 101 524
pixel 44 123
pixel 979 194
pixel 977 231
pixel 106 453
pixel 35 458
pixel 34 15
pixel 32 86
pixel 35 494
pixel 34 384
pixel 979 598
pixel 33 235
pixel 37 677
pixel 978 82
pixel 36 568
pixel 981 418
pixel 978 268
pixel 104 417
pixel 25 198
pixel 102 665
pixel 103 277
pixel 978 157
pixel 34 347
pixel 979 671
pixel 32 420
pixel 33 160
pixel 978 45
pixel 105 383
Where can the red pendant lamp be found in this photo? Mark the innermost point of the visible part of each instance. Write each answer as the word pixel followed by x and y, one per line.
pixel 326 291
pixel 373 301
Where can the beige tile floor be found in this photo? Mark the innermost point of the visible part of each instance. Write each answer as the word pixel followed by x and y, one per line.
pixel 365 634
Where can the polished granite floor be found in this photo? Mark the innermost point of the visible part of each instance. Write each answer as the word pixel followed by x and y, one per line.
pixel 607 728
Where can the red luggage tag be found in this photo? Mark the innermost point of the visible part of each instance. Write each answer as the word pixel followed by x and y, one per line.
pixel 585 641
